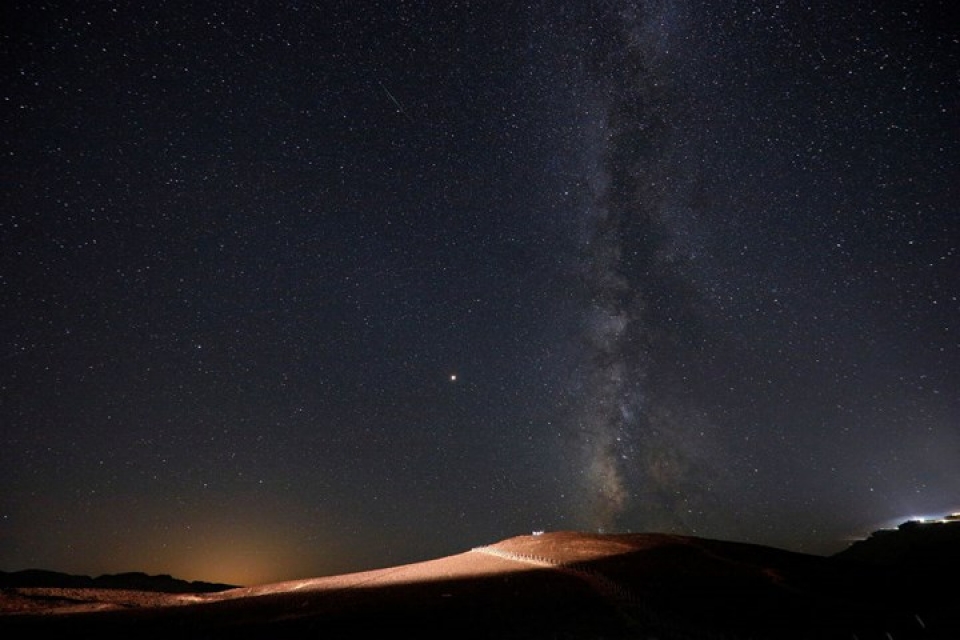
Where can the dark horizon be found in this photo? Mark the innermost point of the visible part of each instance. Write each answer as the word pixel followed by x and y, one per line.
pixel 135 578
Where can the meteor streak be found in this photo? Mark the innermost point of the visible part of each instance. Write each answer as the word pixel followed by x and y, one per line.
pixel 400 108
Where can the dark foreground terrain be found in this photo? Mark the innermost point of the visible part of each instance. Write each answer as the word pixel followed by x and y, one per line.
pixel 899 584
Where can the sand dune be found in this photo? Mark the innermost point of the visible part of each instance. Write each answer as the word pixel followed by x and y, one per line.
pixel 554 585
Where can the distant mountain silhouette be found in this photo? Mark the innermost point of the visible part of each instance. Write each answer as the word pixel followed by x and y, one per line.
pixel 135 581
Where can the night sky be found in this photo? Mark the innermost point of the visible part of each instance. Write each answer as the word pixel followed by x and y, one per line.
pixel 295 288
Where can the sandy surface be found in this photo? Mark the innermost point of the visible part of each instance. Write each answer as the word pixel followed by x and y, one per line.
pixel 541 586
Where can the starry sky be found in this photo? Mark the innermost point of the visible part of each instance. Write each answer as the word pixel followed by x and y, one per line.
pixel 297 288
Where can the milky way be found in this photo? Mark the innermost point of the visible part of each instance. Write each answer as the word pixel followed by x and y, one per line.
pixel 692 364
pixel 640 452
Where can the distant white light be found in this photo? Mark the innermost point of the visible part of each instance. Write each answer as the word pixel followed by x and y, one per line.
pixel 453 377
pixel 926 518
